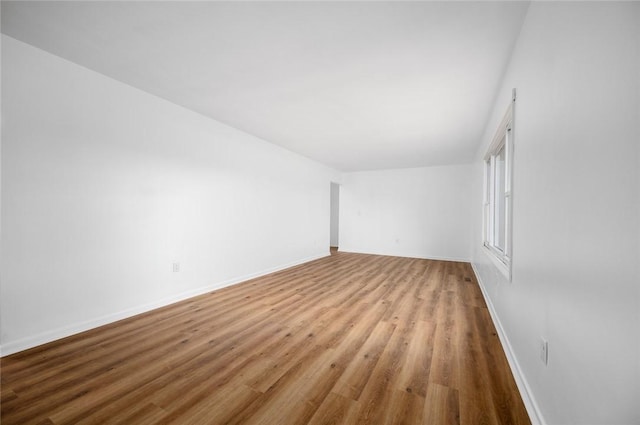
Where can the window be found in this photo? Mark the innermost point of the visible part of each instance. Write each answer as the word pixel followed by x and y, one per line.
pixel 498 194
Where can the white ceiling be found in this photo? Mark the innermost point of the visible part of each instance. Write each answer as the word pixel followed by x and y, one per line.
pixel 355 85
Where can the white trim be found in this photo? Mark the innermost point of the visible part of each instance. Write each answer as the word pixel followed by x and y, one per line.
pixel 63 332
pixel 502 140
pixel 505 126
pixel 505 269
pixel 535 415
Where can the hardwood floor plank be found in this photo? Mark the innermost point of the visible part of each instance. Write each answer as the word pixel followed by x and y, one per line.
pixel 476 403
pixel 220 407
pixel 441 406
pixel 335 410
pixel 444 360
pixel 357 374
pixel 291 399
pixel 414 372
pixel 347 339
pixel 406 408
pixel 375 397
pixel 148 414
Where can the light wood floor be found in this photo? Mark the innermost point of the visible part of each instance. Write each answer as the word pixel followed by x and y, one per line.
pixel 353 339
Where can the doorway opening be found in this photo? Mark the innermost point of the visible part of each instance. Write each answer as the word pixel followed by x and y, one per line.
pixel 334 217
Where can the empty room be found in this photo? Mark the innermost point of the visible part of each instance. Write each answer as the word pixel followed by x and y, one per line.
pixel 310 212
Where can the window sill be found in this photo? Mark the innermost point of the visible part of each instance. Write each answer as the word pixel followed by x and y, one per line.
pixel 504 268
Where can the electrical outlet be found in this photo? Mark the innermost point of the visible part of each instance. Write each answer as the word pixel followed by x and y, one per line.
pixel 176 267
pixel 544 351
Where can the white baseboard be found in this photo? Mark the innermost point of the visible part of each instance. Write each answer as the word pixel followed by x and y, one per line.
pixel 535 415
pixel 63 332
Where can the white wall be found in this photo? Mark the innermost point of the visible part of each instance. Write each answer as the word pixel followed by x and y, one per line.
pixel 1 132
pixel 576 211
pixel 105 186
pixel 416 212
pixel 638 188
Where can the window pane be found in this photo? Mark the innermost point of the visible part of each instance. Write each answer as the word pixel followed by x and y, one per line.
pixel 487 174
pixel 486 236
pixel 500 207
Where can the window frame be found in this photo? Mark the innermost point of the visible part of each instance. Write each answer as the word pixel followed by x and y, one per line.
pixel 503 139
